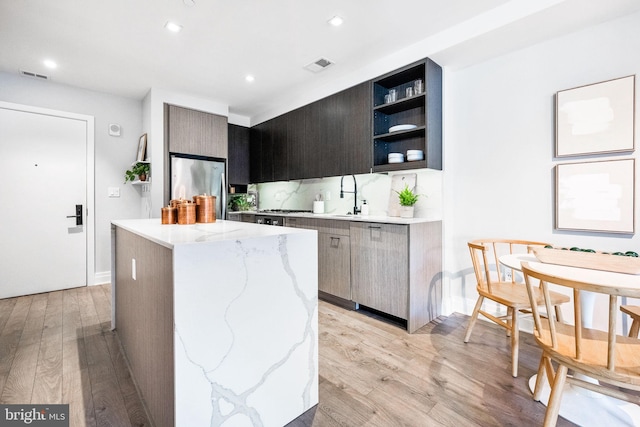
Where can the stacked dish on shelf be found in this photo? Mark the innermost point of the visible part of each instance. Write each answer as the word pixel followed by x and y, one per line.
pixel 415 155
pixel 396 158
pixel 397 128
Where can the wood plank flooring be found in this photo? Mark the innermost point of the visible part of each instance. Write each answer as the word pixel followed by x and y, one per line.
pixel 58 348
pixel 373 373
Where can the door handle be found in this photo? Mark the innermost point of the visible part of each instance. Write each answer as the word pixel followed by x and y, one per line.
pixel 78 215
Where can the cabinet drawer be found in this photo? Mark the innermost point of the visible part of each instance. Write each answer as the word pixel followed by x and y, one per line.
pixel 330 226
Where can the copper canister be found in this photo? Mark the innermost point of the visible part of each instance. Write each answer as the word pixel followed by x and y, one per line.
pixel 169 215
pixel 205 208
pixel 186 213
pixel 175 202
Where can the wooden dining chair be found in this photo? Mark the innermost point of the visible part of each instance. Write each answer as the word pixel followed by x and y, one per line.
pixel 611 359
pixel 634 312
pixel 499 284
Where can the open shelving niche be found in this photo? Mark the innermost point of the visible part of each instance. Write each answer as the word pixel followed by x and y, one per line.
pixel 423 110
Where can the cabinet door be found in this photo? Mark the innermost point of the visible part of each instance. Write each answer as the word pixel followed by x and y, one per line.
pixel 238 163
pixel 353 114
pixel 319 161
pixel 296 137
pixel 380 264
pixel 268 151
pixel 255 154
pixel 197 132
pixel 334 265
pixel 279 158
pixel 261 153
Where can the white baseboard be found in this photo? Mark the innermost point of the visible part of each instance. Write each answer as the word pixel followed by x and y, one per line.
pixel 101 278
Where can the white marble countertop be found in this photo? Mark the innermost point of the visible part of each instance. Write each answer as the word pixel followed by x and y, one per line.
pixel 170 235
pixel 342 217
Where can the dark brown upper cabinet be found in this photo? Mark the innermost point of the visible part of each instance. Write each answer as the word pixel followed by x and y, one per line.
pixel 328 137
pixel 238 161
pixel 296 143
pixel 354 129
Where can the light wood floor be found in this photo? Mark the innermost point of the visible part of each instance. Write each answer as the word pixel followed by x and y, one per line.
pixel 57 348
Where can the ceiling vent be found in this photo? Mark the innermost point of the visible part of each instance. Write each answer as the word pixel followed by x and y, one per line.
pixel 34 75
pixel 318 65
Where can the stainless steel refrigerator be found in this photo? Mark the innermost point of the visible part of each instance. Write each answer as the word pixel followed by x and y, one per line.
pixel 198 175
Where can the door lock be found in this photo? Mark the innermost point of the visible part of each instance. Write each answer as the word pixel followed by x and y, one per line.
pixel 78 215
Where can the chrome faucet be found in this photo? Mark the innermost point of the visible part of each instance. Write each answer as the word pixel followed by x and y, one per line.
pixel 356 210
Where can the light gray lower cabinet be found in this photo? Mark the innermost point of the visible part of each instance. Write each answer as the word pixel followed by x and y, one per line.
pixel 392 268
pixel 397 269
pixel 380 262
pixel 334 262
pixel 334 265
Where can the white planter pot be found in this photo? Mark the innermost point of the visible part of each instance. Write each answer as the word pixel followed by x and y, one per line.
pixel 406 211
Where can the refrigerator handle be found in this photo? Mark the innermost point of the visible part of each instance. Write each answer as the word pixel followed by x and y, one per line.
pixel 223 193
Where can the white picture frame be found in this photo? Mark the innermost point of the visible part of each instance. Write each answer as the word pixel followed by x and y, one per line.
pixel 596 118
pixel 596 196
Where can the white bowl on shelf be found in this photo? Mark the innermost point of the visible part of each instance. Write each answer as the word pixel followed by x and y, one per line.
pixel 395 158
pixel 414 155
pixel 397 128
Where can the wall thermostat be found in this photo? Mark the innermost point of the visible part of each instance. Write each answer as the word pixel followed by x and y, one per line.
pixel 115 130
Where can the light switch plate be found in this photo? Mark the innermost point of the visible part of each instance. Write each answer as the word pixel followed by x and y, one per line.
pixel 114 191
pixel 133 268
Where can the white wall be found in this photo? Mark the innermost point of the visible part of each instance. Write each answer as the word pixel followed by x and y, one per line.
pixel 113 155
pixel 499 143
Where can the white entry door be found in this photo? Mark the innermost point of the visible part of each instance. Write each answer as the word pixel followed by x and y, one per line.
pixel 43 176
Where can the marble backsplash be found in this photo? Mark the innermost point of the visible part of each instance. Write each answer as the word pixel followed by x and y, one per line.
pixel 375 188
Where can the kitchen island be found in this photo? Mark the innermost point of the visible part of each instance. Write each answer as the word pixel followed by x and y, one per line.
pixel 218 321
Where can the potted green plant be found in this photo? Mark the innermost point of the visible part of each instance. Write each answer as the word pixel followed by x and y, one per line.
pixel 239 202
pixel 407 201
pixel 138 170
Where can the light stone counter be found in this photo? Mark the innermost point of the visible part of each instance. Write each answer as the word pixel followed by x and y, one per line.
pixel 357 218
pixel 243 330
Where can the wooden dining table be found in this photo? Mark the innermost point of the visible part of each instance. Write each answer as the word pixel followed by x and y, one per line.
pixel 581 406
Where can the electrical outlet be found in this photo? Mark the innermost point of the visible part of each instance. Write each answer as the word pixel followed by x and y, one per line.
pixel 327 195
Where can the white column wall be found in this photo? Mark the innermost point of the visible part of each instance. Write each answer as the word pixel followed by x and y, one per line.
pixel 499 144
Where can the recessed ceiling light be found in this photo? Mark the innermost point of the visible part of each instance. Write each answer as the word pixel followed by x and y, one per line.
pixel 173 27
pixel 249 78
pixel 50 64
pixel 336 21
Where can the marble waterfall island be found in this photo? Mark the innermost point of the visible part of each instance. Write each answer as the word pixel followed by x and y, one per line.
pixel 219 322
